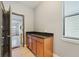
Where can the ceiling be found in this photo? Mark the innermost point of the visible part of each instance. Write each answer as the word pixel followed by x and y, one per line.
pixel 31 4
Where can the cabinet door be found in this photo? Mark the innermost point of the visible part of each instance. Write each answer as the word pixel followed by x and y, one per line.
pixel 30 42
pixel 40 49
pixel 48 47
pixel 34 46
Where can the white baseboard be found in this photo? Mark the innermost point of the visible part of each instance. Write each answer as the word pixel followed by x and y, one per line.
pixel 55 55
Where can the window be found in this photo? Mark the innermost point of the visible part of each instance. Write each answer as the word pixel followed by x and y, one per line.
pixel 71 19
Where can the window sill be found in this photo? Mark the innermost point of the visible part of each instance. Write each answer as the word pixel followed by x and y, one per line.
pixel 70 40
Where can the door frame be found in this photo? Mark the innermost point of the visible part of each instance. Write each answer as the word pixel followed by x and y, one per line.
pixel 23 26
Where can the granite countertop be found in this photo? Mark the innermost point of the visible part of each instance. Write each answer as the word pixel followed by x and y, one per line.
pixel 40 34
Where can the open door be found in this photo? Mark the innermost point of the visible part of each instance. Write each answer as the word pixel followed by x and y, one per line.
pixel 1 37
pixel 6 37
pixel 6 34
pixel 4 31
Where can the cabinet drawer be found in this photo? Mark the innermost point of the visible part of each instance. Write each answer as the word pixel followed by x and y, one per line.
pixel 40 40
pixel 35 38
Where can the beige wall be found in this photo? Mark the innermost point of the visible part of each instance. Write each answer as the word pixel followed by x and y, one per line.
pixel 49 19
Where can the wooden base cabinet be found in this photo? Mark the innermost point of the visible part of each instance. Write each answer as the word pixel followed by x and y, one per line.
pixel 41 47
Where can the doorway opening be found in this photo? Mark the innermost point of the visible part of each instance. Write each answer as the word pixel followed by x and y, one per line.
pixel 17 32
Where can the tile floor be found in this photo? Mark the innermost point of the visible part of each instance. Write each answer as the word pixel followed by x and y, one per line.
pixel 22 52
